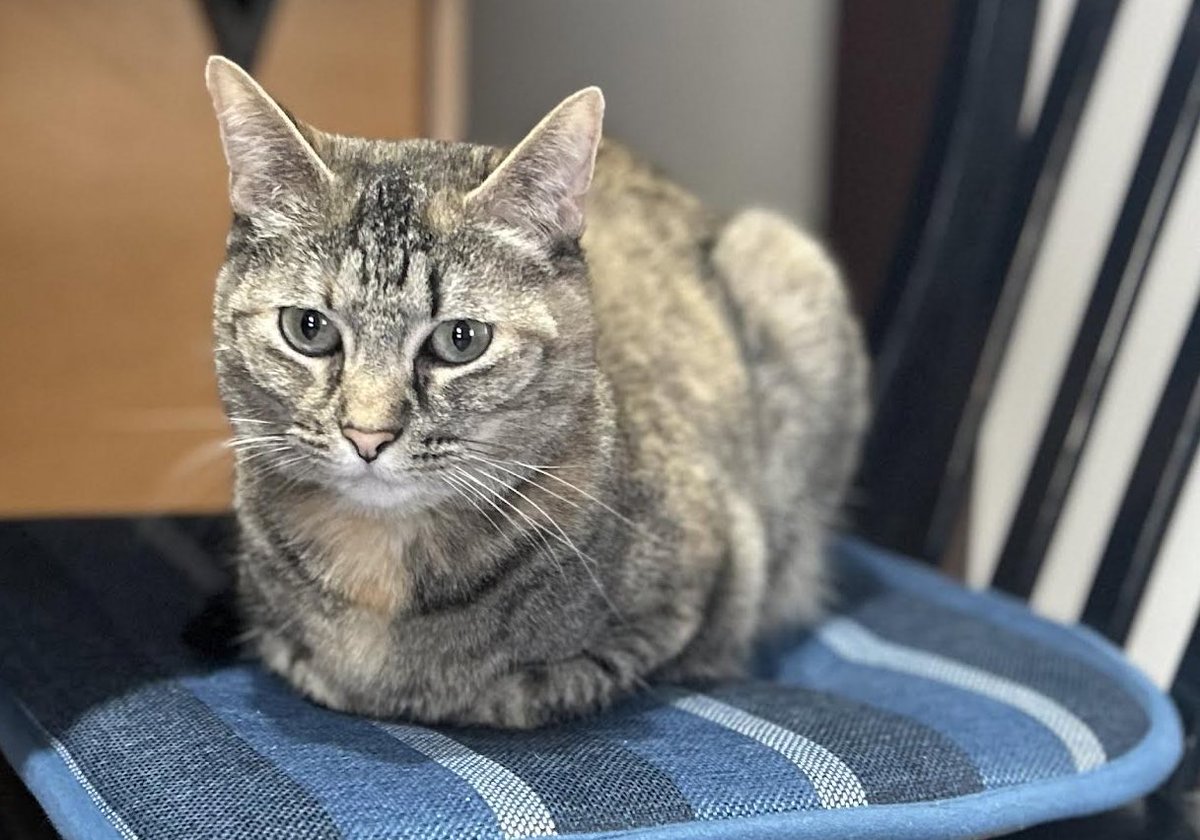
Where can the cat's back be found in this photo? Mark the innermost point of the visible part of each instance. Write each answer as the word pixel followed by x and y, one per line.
pixel 741 328
pixel 647 238
pixel 665 335
pixel 630 195
pixel 749 304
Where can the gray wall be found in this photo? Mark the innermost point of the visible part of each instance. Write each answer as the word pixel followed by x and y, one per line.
pixel 732 97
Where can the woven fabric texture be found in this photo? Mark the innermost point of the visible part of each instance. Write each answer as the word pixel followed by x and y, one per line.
pixel 915 701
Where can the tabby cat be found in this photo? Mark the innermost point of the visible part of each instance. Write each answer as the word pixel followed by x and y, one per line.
pixel 498 466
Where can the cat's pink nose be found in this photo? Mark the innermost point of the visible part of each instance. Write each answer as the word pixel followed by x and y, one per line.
pixel 368 444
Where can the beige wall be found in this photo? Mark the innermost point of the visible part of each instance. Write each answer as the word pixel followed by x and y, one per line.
pixel 112 227
pixel 733 98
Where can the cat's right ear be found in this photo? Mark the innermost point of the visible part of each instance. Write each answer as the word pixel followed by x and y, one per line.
pixel 273 168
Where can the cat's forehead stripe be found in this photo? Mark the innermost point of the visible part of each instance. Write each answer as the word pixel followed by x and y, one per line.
pixel 433 278
pixel 386 228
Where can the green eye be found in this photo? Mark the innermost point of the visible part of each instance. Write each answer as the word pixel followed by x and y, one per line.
pixel 458 342
pixel 308 331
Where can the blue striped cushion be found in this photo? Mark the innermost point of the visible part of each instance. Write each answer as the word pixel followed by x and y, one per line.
pixel 919 710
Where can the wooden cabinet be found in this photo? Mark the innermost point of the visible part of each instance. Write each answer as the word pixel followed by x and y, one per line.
pixel 112 222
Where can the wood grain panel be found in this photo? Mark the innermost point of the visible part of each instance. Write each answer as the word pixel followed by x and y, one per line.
pixel 112 227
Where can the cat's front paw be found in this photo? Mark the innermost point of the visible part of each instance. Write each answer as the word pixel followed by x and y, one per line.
pixel 513 703
pixel 537 695
pixel 291 662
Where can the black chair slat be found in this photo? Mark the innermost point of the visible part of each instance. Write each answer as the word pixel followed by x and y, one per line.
pixel 1043 162
pixel 945 132
pixel 1169 446
pixel 918 367
pixel 1145 208
pixel 1186 693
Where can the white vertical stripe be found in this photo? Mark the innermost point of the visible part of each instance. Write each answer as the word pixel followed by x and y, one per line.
pixel 519 811
pixel 1092 189
pixel 855 643
pixel 835 783
pixel 1152 340
pixel 1171 604
pixel 1053 19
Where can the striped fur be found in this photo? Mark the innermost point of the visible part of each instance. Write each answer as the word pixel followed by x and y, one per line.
pixel 632 481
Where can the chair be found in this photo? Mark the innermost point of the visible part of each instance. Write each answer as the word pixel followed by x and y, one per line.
pixel 951 319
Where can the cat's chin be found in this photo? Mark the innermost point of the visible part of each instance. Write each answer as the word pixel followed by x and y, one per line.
pixel 381 494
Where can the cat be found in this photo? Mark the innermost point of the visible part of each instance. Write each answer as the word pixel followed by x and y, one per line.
pixel 496 466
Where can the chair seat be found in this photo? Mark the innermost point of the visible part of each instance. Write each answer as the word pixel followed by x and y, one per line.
pixel 915 710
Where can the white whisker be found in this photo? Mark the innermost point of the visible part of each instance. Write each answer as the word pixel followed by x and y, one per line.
pixel 450 482
pixel 566 540
pixel 528 480
pixel 246 456
pixel 250 440
pixel 537 529
pixel 542 471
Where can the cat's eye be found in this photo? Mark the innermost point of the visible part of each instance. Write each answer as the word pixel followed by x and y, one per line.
pixel 309 331
pixel 461 341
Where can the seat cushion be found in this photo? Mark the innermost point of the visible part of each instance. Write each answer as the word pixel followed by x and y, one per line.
pixel 915 710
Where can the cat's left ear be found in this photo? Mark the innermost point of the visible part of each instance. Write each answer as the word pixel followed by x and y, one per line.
pixel 541 186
